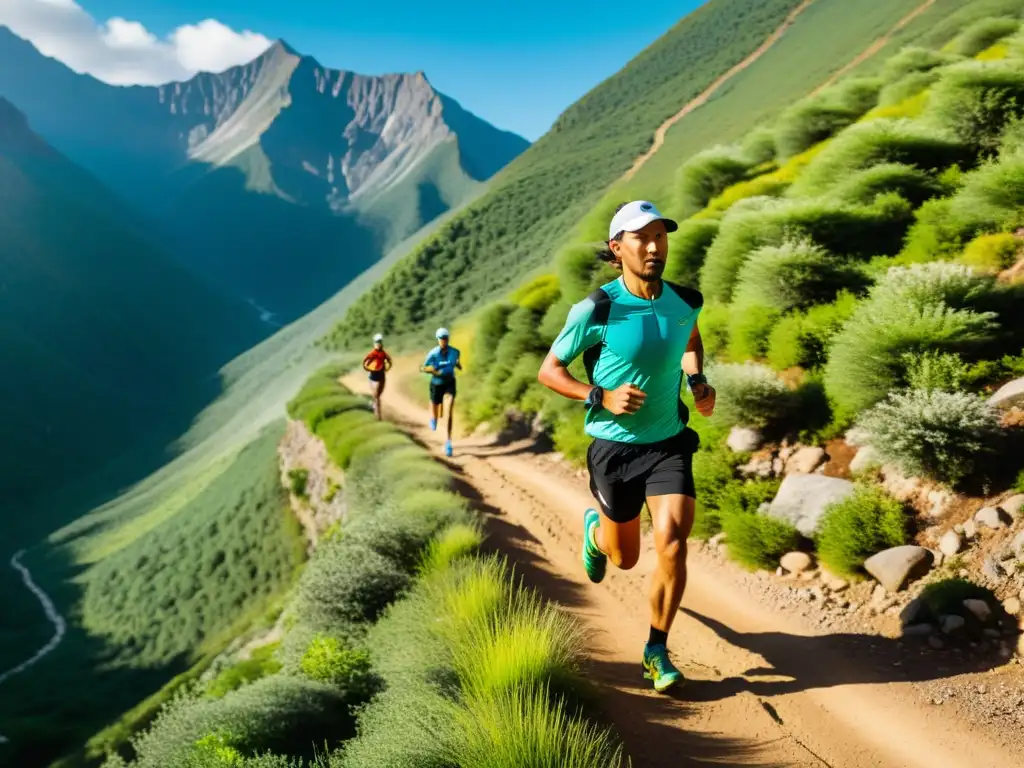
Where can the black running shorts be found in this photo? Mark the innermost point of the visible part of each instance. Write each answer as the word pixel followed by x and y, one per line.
pixel 441 388
pixel 623 475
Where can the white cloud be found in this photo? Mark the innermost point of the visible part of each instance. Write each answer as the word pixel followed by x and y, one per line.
pixel 124 52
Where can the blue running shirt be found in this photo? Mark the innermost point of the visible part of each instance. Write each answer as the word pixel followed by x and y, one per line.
pixel 442 362
pixel 644 341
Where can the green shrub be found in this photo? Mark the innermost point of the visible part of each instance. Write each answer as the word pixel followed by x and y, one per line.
pixel 491 326
pixel 910 183
pixel 1018 486
pixel 933 369
pixel 260 664
pixel 758 541
pixel 280 714
pixel 749 328
pixel 880 142
pixel 687 247
pixel 977 100
pixel 750 394
pixel 914 59
pixel 537 294
pixel 795 275
pixel 941 435
pixel 758 146
pixel 456 541
pixel 706 174
pixel 901 91
pixel 809 122
pixel 714 329
pixel 982 34
pixel 910 310
pixel 992 252
pixel 521 727
pixel 326 660
pixel 854 529
pixel 714 473
pixel 802 339
pixel 842 229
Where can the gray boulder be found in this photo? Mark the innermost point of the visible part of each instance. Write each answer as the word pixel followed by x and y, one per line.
pixel 796 562
pixel 1014 505
pixel 803 499
pixel 866 458
pixel 992 517
pixel 893 568
pixel 806 460
pixel 1009 394
pixel 979 608
pixel 950 543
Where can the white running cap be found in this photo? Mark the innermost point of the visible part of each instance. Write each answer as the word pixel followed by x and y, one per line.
pixel 378 337
pixel 441 333
pixel 637 215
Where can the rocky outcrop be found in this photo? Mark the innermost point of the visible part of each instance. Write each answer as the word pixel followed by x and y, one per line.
pixel 803 499
pixel 313 480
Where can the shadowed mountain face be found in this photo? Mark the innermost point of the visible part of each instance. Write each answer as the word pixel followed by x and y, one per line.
pixel 104 337
pixel 280 179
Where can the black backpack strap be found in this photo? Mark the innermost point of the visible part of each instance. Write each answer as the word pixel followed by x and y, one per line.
pixel 599 316
pixel 691 296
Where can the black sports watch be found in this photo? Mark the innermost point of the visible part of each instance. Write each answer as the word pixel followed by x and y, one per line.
pixel 595 400
pixel 695 379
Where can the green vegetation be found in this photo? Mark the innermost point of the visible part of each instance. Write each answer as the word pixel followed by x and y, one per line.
pixel 854 529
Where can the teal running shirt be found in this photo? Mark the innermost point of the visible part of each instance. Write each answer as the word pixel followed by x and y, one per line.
pixel 642 342
pixel 443 361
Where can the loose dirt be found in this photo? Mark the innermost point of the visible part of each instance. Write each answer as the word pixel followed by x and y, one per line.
pixel 767 687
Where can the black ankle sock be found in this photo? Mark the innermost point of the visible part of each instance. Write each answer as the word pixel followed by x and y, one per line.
pixel 657 637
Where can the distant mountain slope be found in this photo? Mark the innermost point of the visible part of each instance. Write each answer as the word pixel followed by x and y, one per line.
pixel 103 337
pixel 280 178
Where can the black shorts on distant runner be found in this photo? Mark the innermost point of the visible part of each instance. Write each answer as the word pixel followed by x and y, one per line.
pixel 623 475
pixel 377 375
pixel 439 389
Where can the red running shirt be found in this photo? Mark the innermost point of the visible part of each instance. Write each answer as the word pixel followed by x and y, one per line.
pixel 375 360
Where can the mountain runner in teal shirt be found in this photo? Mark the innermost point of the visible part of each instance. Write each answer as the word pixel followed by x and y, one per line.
pixel 638 334
pixel 441 362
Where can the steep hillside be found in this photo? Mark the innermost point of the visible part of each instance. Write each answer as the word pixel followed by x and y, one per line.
pixel 105 339
pixel 535 202
pixel 281 179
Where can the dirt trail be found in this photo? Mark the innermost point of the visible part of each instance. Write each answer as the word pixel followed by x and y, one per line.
pixel 876 46
pixel 765 690
pixel 702 98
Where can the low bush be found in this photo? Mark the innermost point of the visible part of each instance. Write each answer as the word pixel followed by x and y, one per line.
pixel 910 183
pixel 706 174
pixel 795 275
pixel 818 117
pixel 803 338
pixel 913 59
pixel 977 100
pixel 911 309
pixel 260 664
pixel 758 541
pixel 687 247
pixel 714 473
pixel 758 146
pixel 881 142
pixel 933 369
pixel 749 327
pixel 992 252
pixel 299 478
pixel 453 543
pixel 981 34
pixel 906 97
pixel 856 528
pixel 750 394
pixel 946 596
pixel 327 660
pixel 945 436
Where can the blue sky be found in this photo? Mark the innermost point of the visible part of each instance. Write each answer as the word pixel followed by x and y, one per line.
pixel 517 64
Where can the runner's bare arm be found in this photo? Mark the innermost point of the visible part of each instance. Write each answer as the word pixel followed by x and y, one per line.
pixel 554 375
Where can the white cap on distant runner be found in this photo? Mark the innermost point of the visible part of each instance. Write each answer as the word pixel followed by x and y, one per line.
pixel 378 337
pixel 637 215
pixel 441 333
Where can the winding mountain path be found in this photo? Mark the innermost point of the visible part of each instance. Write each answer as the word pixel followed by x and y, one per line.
pixel 766 689
pixel 702 98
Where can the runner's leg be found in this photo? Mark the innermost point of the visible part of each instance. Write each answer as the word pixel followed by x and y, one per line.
pixel 380 392
pixel 672 520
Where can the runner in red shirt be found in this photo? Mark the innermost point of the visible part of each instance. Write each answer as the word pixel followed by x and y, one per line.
pixel 378 363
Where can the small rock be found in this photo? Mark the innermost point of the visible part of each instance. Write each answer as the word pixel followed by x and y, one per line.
pixel 970 529
pixel 1008 394
pixel 902 487
pixel 950 543
pixel 936 643
pixel 806 460
pixel 833 582
pixel 807 576
pixel 994 634
pixel 866 458
pixel 744 440
pixel 778 466
pixel 1014 505
pixel 879 594
pixel 917 630
pixel 951 624
pixel 894 568
pixel 939 501
pixel 1017 545
pixel 979 608
pixel 856 437
pixel 992 517
pixel 1012 605
pixel 915 612
pixel 796 562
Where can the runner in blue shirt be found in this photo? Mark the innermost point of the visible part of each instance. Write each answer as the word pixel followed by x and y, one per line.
pixel 637 335
pixel 441 362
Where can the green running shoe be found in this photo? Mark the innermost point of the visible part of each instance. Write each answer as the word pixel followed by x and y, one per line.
pixel 594 560
pixel 658 668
